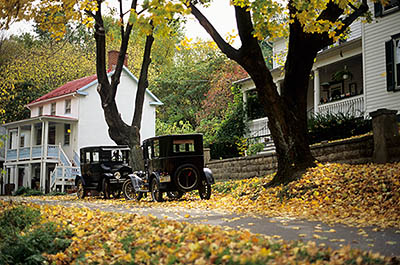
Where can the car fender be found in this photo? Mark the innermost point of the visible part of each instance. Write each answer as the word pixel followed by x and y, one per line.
pixel 136 181
pixel 154 175
pixel 209 176
pixel 80 178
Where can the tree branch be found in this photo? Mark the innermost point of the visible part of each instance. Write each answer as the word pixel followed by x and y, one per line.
pixel 221 43
pixel 121 16
pixel 245 26
pixel 143 83
pixel 122 53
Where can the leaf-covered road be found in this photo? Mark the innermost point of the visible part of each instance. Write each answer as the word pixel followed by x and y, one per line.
pixel 383 240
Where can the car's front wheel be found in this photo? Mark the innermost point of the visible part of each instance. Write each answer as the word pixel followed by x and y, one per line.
pixel 205 191
pixel 156 194
pixel 129 191
pixel 81 190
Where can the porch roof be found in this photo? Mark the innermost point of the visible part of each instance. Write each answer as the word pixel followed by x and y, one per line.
pixel 40 118
pixel 348 45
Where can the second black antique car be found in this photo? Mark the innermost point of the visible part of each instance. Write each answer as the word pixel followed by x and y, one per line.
pixel 174 164
pixel 104 169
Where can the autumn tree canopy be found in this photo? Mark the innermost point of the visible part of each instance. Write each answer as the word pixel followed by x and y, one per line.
pixel 309 27
pixel 152 19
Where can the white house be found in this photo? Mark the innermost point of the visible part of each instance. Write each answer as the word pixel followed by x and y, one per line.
pixel 43 151
pixel 358 75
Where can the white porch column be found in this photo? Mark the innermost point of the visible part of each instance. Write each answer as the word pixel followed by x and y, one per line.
pixel 316 90
pixel 31 144
pixel 18 141
pixel 29 175
pixel 45 134
pixel 245 104
pixel 42 176
pixel 45 129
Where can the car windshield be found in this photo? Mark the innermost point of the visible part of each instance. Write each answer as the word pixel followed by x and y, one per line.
pixel 115 155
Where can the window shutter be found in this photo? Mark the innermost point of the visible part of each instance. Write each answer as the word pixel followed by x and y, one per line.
pixel 389 49
pixel 378 9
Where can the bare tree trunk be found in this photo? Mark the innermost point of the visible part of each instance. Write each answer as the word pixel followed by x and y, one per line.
pixel 118 130
pixel 287 113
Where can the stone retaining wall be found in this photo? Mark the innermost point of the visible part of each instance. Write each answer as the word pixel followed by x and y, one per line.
pixel 352 151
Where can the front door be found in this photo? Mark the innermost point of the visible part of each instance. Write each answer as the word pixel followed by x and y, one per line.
pixel 21 174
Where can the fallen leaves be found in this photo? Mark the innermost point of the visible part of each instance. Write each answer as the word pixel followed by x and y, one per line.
pixel 356 195
pixel 117 238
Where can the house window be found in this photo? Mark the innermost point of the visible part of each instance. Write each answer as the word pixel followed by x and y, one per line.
pixel 52 135
pixel 391 6
pixel 67 133
pixel 53 109
pixel 40 110
pixel 39 136
pixel 392 50
pixel 67 106
pixel 22 141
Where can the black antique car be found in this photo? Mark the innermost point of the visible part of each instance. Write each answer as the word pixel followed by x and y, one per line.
pixel 104 169
pixel 174 164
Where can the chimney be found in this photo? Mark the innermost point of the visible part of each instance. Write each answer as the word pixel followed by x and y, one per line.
pixel 113 59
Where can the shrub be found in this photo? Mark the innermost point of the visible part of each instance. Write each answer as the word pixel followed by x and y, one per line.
pixel 330 126
pixel 17 219
pixel 23 239
pixel 24 191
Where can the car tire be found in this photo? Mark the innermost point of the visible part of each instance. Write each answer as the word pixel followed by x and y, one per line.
pixel 175 195
pixel 205 191
pixel 80 189
pixel 129 192
pixel 186 177
pixel 156 194
pixel 106 189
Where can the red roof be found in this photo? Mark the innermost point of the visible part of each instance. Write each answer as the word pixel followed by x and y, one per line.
pixel 67 88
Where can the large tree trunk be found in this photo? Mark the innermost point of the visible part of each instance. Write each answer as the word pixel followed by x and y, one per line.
pixel 118 130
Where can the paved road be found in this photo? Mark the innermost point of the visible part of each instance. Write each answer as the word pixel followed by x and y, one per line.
pixel 384 241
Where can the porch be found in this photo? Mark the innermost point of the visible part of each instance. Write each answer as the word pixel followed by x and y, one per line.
pixel 34 160
pixel 334 88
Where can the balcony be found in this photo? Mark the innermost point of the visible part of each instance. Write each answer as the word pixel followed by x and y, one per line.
pixel 352 105
pixel 54 152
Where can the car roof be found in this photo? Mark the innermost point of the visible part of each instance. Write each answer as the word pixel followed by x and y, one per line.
pixel 176 136
pixel 105 148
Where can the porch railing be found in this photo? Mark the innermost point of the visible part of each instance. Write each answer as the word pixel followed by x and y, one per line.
pixel 24 153
pixel 12 154
pixel 260 133
pixel 77 161
pixel 353 105
pixel 63 176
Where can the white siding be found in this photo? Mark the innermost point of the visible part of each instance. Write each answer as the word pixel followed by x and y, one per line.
pixel 375 35
pixel 355 30
pixel 279 51
pixel 92 127
pixel 60 107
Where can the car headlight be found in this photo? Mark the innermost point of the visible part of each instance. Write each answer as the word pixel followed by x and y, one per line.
pixel 117 175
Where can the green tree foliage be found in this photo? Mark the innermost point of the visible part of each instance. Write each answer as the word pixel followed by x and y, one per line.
pixel 36 67
pixel 182 87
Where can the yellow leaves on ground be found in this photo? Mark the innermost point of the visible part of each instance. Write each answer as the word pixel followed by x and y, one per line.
pixel 334 193
pixel 114 238
pixel 356 195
